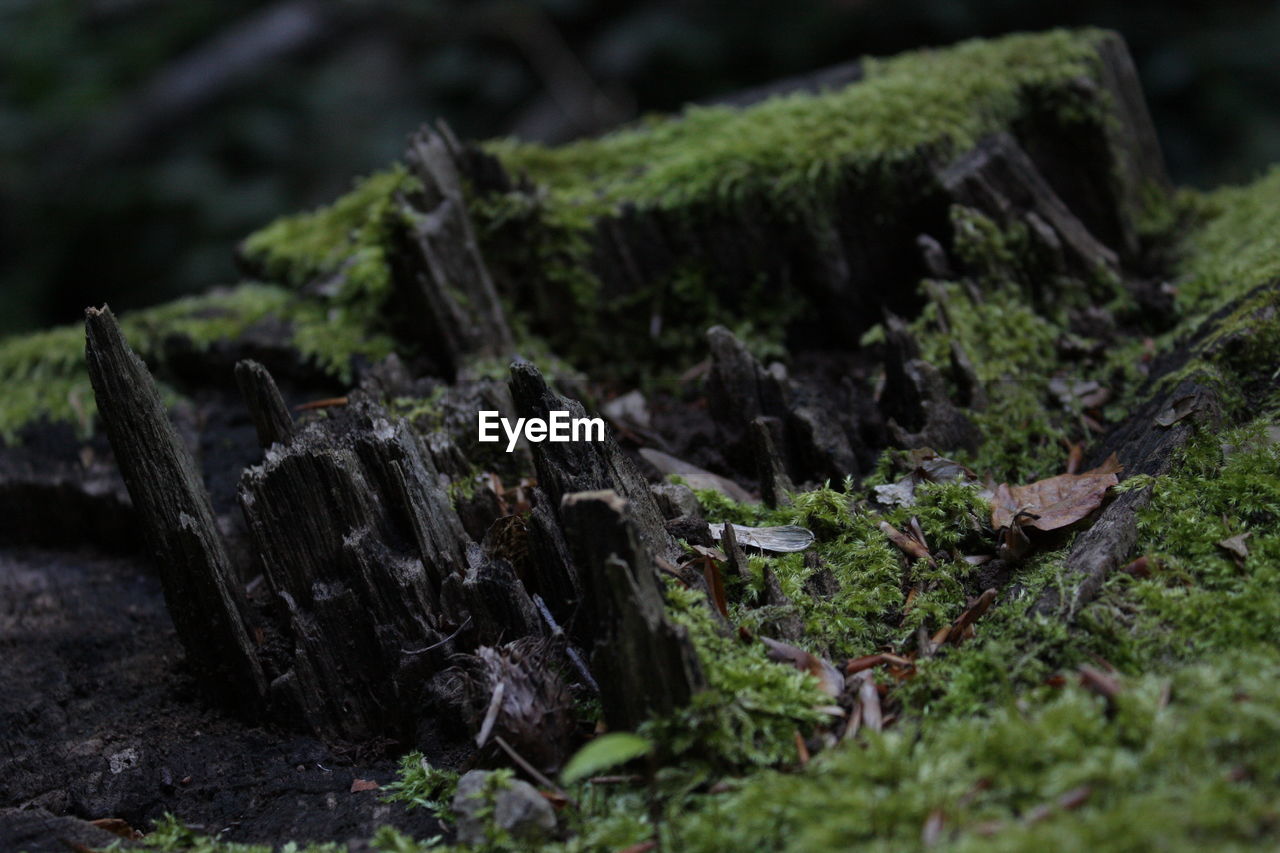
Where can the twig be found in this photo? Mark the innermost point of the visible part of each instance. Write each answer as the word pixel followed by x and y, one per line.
pixel 426 649
pixel 574 656
pixel 491 716
pixel 533 772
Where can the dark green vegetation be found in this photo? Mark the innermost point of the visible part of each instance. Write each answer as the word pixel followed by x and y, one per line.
pixel 992 743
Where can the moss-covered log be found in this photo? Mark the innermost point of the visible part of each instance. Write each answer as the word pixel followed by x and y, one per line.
pixel 948 276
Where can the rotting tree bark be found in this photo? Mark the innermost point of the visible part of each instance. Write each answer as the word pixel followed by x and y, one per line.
pixel 200 588
pixel 644 663
pixel 271 417
pixel 1146 442
pixel 438 269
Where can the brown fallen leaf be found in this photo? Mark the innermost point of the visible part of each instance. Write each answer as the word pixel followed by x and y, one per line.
pixel 829 678
pixel 909 545
pixel 1139 568
pixel 960 629
pixel 709 560
pixel 802 749
pixel 1075 798
pixel 326 403
pixel 640 847
pixel 871 661
pixel 117 826
pixel 1056 502
pixel 1075 458
pixel 358 785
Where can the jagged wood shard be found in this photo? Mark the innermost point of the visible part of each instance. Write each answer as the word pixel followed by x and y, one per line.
pixel 438 268
pixel 584 466
pixel 270 415
pixel 357 540
pixel 998 178
pixel 203 595
pixel 644 663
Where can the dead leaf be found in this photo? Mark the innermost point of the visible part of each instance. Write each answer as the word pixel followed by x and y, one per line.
pixel 870 661
pixel 909 545
pixel 1075 798
pixel 714 577
pixel 358 785
pixel 1056 502
pixel 640 847
pixel 327 402
pixel 1236 545
pixel 117 826
pixel 1139 568
pixel 1075 458
pixel 802 749
pixel 957 632
pixel 928 467
pixel 829 678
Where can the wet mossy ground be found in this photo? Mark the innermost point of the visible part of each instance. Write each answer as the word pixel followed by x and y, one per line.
pixel 995 744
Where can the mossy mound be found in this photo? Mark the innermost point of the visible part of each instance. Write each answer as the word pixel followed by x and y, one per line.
pixel 621 250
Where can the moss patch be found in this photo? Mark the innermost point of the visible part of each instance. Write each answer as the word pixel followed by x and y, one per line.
pixel 789 146
pixel 44 374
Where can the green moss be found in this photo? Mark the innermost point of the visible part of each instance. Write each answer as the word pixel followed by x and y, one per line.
pixel 171 836
pixel 787 146
pixel 1158 777
pixel 1236 249
pixel 44 374
pixel 348 236
pixel 752 708
pixel 419 785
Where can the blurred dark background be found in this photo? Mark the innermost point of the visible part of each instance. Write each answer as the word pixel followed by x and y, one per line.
pixel 140 139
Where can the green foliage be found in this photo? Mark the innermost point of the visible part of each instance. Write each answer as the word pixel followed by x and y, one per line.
pixel 419 785
pixel 789 147
pixel 172 836
pixel 44 374
pixel 1237 248
pixel 347 237
pixel 604 753
pixel 1157 777
pixel 752 707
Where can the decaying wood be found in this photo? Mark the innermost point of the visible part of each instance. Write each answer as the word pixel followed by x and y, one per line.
pixel 1144 447
pixel 644 663
pixel 356 539
pixel 377 584
pixel 775 483
pixel 568 467
pixel 270 415
pixel 439 271
pixel 203 595
pixel 1145 443
pixel 998 179
pixel 813 433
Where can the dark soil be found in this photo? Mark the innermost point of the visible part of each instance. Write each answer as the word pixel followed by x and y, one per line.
pixel 100 719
